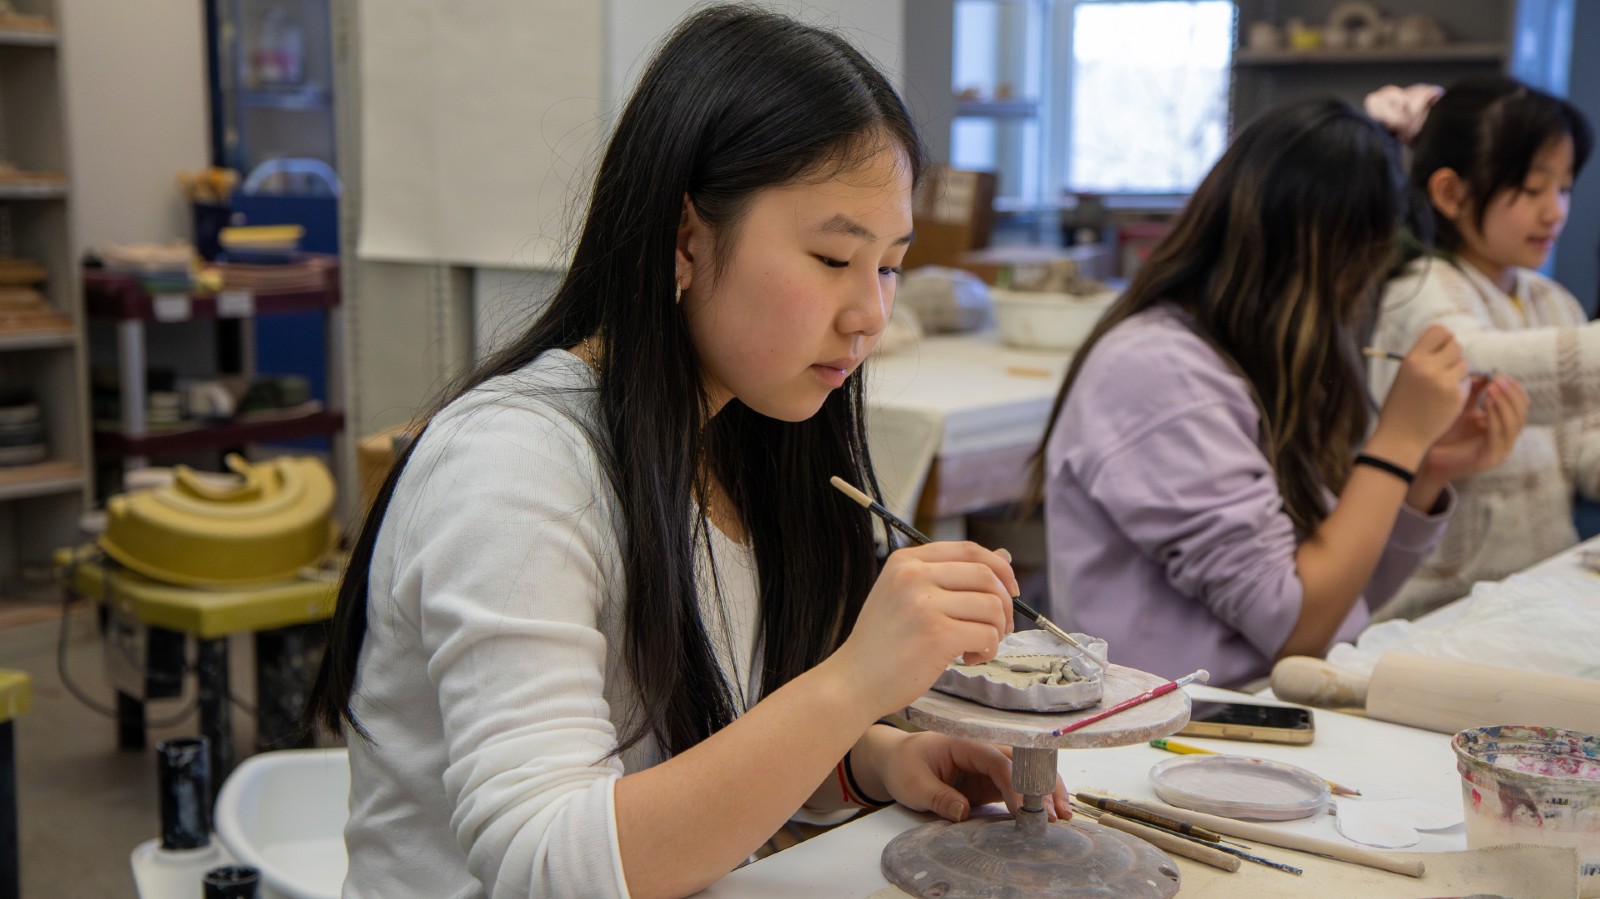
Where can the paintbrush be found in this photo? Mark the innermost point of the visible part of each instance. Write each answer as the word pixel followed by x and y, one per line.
pixel 1376 353
pixel 1201 675
pixel 916 536
pixel 1220 845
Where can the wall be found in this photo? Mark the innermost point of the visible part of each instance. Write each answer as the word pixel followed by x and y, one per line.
pixel 415 326
pixel 1577 264
pixel 136 114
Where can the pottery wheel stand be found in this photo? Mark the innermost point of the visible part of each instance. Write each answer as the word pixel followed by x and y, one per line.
pixel 1028 856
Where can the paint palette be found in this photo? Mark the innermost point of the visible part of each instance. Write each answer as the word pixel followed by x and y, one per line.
pixel 1237 786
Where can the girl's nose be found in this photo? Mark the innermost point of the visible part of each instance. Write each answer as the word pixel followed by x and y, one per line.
pixel 868 313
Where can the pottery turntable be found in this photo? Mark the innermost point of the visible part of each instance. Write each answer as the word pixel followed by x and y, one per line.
pixel 1027 855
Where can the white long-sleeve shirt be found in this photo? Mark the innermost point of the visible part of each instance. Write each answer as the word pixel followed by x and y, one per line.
pixel 1520 511
pixel 491 678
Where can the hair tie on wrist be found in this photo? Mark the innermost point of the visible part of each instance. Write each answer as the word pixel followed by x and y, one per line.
pixel 859 798
pixel 1385 465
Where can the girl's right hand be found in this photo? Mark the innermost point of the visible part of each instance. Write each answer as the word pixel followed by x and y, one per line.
pixel 1428 395
pixel 930 604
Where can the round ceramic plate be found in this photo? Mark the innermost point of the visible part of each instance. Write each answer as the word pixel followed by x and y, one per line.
pixel 1237 786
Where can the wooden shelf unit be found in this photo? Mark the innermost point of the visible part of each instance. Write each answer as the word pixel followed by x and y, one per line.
pixel 40 503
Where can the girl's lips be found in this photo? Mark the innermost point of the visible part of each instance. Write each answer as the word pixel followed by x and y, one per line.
pixel 835 377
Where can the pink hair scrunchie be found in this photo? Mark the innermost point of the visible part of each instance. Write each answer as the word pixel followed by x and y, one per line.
pixel 1402 110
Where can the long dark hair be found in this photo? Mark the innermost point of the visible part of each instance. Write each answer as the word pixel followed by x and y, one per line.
pixel 1278 257
pixel 1488 129
pixel 735 101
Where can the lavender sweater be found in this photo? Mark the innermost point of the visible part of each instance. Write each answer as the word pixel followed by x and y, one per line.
pixel 1166 530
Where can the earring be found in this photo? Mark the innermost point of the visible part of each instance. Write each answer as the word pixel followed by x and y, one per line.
pixel 677 280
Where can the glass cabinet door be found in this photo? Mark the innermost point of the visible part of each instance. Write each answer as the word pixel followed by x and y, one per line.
pixel 272 90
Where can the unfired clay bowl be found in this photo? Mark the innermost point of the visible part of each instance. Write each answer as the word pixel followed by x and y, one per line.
pixel 1033 672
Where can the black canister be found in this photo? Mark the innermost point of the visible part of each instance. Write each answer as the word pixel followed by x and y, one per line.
pixel 184 768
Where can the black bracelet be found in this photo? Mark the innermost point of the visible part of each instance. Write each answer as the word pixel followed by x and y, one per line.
pixel 856 788
pixel 1386 465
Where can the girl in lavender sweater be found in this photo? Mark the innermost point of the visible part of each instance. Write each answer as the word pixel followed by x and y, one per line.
pixel 1216 494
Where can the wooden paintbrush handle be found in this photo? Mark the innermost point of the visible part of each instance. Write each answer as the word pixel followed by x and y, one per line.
pixel 1273 836
pixel 1310 681
pixel 1172 843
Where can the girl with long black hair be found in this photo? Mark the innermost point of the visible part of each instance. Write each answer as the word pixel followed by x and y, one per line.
pixel 606 627
pixel 1215 491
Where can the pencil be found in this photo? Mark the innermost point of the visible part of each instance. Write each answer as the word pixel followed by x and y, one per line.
pixel 1201 675
pixel 919 538
pixel 1376 353
pixel 1185 749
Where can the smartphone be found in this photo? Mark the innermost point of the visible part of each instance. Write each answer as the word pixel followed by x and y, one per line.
pixel 1248 721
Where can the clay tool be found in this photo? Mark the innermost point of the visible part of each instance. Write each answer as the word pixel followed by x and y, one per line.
pixel 1192 834
pixel 1373 352
pixel 1201 675
pixel 1186 749
pixel 1133 812
pixel 1224 846
pixel 916 536
pixel 1289 839
pixel 1170 842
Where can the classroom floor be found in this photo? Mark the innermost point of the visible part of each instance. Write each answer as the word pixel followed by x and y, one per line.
pixel 82 804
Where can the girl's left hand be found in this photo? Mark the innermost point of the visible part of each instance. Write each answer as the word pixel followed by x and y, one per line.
pixel 949 777
pixel 1484 433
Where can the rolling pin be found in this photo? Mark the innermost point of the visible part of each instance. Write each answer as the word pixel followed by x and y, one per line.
pixel 1442 695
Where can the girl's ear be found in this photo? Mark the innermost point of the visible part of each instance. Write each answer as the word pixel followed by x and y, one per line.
pixel 1448 193
pixel 694 243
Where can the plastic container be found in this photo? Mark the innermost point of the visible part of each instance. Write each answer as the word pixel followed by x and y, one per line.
pixel 283 813
pixel 1539 785
pixel 1237 786
pixel 1047 321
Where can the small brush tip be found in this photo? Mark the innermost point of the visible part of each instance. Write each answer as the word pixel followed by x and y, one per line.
pixel 849 489
pixel 1203 676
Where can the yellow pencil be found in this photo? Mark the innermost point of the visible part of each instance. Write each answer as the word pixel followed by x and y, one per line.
pixel 1185 749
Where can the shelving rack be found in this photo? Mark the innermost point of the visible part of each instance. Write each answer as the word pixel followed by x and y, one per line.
pixel 40 503
pixel 120 300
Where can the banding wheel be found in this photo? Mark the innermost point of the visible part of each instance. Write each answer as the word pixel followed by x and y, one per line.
pixel 999 858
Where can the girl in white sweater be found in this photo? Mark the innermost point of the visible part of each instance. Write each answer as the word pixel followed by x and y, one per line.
pixel 1494 164
pixel 607 627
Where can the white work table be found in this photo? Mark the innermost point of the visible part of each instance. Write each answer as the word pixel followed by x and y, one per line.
pixel 953 419
pixel 1382 760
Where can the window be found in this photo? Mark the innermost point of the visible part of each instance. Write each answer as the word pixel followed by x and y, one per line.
pixel 1149 93
pixel 1099 96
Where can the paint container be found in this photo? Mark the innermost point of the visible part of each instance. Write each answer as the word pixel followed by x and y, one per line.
pixel 1537 785
pixel 183 769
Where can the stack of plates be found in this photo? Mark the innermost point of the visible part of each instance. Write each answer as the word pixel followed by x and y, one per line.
pixel 21 431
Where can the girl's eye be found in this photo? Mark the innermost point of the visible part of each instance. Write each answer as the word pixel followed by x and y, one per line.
pixel 891 270
pixel 833 263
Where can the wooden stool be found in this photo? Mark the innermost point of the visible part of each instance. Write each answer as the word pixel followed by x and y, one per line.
pixel 16 696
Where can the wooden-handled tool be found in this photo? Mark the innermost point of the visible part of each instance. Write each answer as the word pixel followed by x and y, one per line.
pixel 1170 842
pixel 1442 694
pixel 1411 866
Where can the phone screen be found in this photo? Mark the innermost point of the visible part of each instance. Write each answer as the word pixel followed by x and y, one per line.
pixel 1247 715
